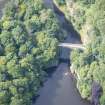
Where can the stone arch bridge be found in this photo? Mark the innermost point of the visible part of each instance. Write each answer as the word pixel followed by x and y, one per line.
pixel 72 46
pixel 65 50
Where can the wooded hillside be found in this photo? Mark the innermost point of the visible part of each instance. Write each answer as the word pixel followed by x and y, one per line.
pixel 29 35
pixel 88 18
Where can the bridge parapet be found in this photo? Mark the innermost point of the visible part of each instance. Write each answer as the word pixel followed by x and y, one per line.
pixel 71 46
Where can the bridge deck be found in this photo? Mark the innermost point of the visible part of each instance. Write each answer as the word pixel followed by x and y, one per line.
pixel 71 46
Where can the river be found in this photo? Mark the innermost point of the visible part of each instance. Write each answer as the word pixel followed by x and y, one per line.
pixel 60 89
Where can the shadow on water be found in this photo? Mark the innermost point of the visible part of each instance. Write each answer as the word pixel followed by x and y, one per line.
pixel 56 84
pixel 64 60
pixel 50 71
pixel 60 89
pixel 72 35
pixel 67 25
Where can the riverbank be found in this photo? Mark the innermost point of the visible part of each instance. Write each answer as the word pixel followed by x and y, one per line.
pixel 53 93
pixel 76 14
pixel 60 89
pixel 88 65
pixel 29 36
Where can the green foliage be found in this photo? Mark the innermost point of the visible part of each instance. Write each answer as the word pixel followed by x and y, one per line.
pixel 29 35
pixel 92 60
pixel 86 2
pixel 61 2
pixel 87 63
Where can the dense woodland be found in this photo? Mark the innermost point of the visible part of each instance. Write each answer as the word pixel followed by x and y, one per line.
pixel 29 35
pixel 88 19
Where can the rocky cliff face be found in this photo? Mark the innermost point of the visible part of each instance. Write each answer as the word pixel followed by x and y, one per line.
pixel 76 13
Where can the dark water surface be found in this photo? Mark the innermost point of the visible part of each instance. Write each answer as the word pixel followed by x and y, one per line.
pixel 60 88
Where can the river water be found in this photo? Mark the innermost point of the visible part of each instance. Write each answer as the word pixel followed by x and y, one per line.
pixel 60 89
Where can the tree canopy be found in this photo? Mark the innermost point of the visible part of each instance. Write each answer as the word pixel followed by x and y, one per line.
pixel 88 18
pixel 29 35
pixel 91 62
